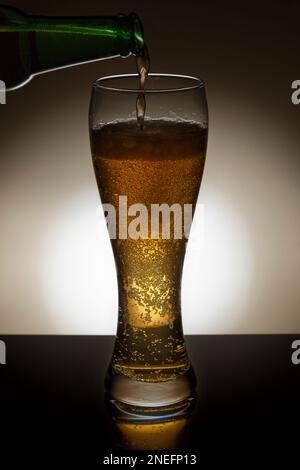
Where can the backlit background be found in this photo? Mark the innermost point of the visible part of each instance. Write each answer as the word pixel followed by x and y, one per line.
pixel 57 272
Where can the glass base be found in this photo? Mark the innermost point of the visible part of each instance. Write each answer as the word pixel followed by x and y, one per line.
pixel 131 399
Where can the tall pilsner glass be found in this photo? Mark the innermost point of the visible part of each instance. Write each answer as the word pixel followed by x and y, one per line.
pixel 149 179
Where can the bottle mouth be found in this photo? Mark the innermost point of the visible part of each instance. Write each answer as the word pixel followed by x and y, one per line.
pixel 155 83
pixel 138 33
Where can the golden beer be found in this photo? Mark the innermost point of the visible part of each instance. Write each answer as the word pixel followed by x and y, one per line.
pixel 161 164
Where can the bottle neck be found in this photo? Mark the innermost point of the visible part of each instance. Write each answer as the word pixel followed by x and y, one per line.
pixel 53 42
pixel 126 30
pixel 60 42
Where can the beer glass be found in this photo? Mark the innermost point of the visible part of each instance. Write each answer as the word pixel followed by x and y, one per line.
pixel 149 178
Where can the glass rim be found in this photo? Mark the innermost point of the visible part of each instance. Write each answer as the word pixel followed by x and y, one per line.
pixel 196 83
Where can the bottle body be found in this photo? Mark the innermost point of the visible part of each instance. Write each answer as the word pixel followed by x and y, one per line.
pixel 31 45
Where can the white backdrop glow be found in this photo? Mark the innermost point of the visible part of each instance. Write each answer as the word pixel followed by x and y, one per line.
pixel 79 280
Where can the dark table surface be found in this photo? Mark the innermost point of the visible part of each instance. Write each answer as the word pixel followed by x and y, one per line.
pixel 52 397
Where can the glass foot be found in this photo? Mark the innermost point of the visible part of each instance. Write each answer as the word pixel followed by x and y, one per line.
pixel 131 399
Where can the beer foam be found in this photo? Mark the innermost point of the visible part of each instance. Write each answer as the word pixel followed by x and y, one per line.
pixel 159 139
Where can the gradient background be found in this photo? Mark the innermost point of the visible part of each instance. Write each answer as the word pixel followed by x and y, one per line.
pixel 57 272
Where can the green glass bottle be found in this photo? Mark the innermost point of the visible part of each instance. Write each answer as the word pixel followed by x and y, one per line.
pixel 30 45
